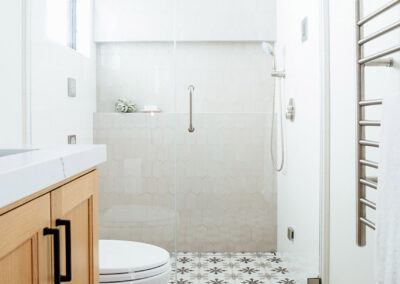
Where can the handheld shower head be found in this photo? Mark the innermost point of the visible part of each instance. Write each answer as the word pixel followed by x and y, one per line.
pixel 268 48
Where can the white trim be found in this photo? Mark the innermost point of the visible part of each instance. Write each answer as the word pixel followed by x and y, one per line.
pixel 27 90
pixel 325 141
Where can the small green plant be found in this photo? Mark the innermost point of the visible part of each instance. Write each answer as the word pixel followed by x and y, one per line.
pixel 123 105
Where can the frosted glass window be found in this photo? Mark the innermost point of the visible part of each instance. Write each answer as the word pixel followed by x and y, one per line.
pixel 61 22
pixel 83 26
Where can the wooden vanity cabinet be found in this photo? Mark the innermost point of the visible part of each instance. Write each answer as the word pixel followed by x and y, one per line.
pixel 27 255
pixel 76 202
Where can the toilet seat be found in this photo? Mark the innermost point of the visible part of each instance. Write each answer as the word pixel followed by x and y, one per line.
pixel 162 278
pixel 138 275
pixel 131 262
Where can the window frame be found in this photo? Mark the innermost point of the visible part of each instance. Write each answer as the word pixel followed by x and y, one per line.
pixel 71 37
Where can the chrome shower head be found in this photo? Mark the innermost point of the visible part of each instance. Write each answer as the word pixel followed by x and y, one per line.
pixel 268 48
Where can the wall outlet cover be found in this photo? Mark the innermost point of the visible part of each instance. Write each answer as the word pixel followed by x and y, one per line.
pixel 71 87
pixel 290 233
pixel 304 29
pixel 71 139
pixel 314 281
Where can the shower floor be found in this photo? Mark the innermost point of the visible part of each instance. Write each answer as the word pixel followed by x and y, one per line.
pixel 229 268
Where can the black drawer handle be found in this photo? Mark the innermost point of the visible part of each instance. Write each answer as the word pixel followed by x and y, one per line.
pixel 56 248
pixel 68 269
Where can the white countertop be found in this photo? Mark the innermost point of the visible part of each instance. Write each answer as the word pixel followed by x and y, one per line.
pixel 26 173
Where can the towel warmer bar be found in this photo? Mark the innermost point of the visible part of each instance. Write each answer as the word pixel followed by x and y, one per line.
pixel 363 182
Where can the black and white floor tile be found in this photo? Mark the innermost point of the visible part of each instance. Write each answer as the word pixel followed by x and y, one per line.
pixel 229 268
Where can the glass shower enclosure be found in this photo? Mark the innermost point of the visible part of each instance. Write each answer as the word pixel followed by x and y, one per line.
pixel 195 175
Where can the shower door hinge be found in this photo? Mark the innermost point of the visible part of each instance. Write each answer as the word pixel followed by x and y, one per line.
pixel 314 281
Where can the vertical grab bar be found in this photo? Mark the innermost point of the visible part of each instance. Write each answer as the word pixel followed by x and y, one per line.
pixel 191 90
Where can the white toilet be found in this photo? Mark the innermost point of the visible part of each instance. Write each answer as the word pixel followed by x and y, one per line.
pixel 129 262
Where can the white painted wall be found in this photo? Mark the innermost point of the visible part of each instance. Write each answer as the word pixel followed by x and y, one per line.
pixel 226 20
pixel 54 114
pixel 206 20
pixel 348 262
pixel 12 71
pixel 299 184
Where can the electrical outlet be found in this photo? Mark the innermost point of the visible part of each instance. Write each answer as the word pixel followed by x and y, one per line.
pixel 314 281
pixel 304 29
pixel 71 139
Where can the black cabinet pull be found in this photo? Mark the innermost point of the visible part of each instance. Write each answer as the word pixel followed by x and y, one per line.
pixel 68 269
pixel 56 248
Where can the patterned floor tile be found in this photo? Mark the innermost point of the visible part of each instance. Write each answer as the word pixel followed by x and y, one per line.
pixel 229 268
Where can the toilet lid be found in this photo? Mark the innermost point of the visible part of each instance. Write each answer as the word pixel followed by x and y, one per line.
pixel 127 257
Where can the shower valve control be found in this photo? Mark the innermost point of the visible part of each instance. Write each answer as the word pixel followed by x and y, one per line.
pixel 290 110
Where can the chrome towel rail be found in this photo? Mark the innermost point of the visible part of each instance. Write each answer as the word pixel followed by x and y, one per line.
pixel 368 223
pixel 369 143
pixel 386 62
pixel 369 183
pixel 379 54
pixel 379 33
pixel 362 61
pixel 370 102
pixel 369 163
pixel 368 203
pixel 370 123
pixel 382 9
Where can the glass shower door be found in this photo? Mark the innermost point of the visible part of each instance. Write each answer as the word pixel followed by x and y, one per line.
pixel 136 185
pixel 226 195
pixel 225 185
pixel 226 188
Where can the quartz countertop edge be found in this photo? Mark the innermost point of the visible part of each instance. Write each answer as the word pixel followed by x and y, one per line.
pixel 24 174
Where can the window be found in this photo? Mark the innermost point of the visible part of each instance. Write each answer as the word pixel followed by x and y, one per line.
pixel 61 22
pixel 71 24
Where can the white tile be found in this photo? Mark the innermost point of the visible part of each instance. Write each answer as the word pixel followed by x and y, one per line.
pixel 222 184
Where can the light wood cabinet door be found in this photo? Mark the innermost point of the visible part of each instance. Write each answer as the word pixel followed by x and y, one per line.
pixel 76 202
pixel 25 253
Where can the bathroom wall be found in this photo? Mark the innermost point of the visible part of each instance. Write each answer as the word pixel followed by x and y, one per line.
pixel 222 179
pixel 12 72
pixel 229 77
pixel 348 262
pixel 299 182
pixel 54 114
pixel 184 20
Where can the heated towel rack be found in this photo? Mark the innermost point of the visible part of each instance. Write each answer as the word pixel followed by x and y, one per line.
pixel 365 183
